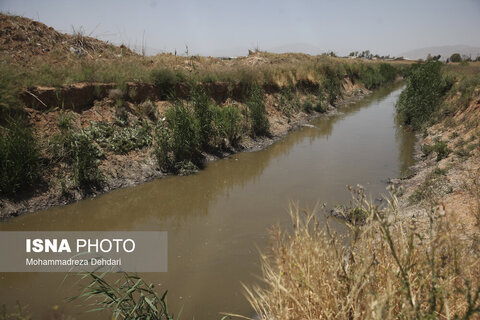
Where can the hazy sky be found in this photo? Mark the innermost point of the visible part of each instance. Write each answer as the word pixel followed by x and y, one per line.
pixel 232 27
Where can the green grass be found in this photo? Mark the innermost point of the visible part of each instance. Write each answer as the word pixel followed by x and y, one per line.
pixel 184 132
pixel 20 161
pixel 166 79
pixel 332 83
pixel 76 149
pixel 258 113
pixel 205 113
pixel 229 123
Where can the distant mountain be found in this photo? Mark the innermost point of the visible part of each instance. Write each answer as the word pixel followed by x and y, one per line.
pixel 444 51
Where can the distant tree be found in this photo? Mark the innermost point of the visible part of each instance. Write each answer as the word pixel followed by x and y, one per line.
pixel 455 57
pixel 434 58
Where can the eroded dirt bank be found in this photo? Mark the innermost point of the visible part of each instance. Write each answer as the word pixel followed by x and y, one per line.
pixel 140 165
pixel 446 178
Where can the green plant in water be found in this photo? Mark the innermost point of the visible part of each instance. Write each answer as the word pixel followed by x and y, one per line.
pixel 129 297
pixel 20 313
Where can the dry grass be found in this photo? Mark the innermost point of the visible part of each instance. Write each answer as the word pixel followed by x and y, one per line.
pixel 390 269
pixel 45 57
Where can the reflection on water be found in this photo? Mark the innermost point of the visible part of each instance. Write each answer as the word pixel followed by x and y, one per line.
pixel 217 218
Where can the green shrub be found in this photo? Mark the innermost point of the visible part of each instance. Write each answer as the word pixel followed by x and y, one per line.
pixel 185 168
pixel 353 72
pixel 184 132
pixel 162 147
pixel 332 84
pixel 204 113
pixel 370 77
pixel 229 123
pixel 124 140
pixel 455 57
pixel 374 76
pixel 421 97
pixel 85 157
pixel 120 140
pixel 257 112
pixel 308 106
pixel 19 157
pixel 165 79
pixel 76 149
pixel 440 148
pixel 387 72
pixel 321 105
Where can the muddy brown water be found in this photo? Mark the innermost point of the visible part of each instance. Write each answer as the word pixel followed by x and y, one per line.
pixel 218 218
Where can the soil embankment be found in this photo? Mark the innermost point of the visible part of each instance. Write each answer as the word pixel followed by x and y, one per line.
pixel 446 179
pixel 137 166
pixel 101 116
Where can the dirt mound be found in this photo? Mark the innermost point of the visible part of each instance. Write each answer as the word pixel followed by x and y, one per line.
pixel 22 41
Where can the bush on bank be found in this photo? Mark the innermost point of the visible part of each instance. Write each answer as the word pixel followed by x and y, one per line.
pixel 190 127
pixel 19 157
pixel 422 96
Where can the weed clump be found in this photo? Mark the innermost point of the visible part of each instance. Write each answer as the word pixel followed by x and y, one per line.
pixel 228 122
pixel 130 297
pixel 204 114
pixel 19 157
pixel 258 113
pixel 421 97
pixel 165 79
pixel 75 148
pixel 177 140
pixel 185 136
pixel 332 83
pixel 162 146
pixel 440 148
pixel 84 156
pixel 120 139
